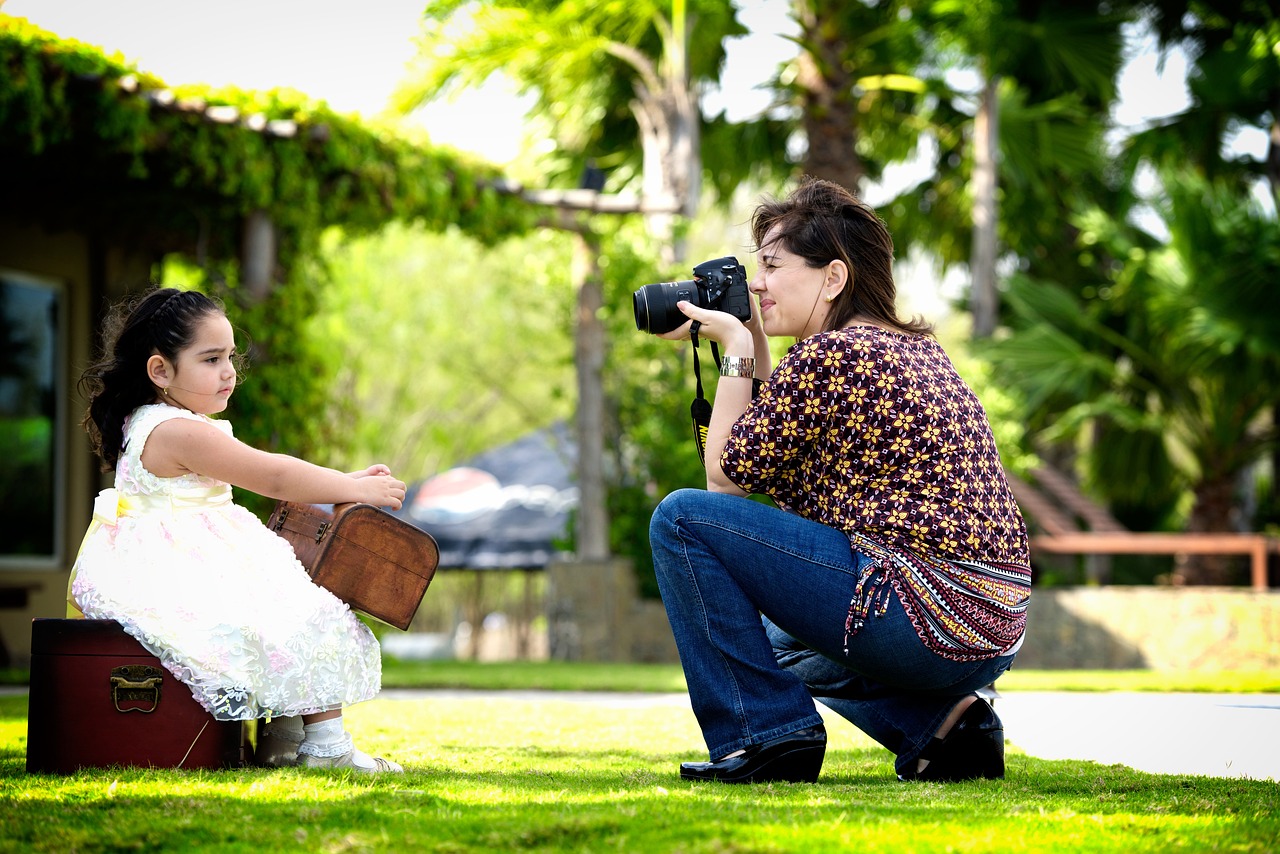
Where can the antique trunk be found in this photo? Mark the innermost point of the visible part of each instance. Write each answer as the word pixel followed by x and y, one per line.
pixel 98 700
pixel 376 563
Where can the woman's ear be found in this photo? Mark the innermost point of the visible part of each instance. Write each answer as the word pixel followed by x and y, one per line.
pixel 837 279
pixel 158 370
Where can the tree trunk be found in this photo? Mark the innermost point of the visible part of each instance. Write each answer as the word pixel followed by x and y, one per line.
pixel 1212 513
pixel 589 345
pixel 983 302
pixel 827 98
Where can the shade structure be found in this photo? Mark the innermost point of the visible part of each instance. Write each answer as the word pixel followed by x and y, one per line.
pixel 506 508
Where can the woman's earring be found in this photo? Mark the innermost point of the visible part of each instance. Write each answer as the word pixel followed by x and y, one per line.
pixel 830 298
pixel 165 391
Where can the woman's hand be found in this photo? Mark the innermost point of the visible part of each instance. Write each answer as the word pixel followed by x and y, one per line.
pixel 719 326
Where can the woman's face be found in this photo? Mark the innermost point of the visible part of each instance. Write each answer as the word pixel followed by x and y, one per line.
pixel 204 376
pixel 791 292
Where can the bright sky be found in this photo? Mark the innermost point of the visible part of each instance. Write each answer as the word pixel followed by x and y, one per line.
pixel 352 55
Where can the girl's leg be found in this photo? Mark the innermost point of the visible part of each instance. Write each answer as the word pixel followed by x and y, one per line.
pixel 720 561
pixel 327 744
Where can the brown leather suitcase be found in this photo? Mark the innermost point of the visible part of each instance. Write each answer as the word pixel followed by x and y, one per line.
pixel 378 564
pixel 99 700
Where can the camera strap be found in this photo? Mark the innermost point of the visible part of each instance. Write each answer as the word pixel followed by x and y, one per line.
pixel 700 409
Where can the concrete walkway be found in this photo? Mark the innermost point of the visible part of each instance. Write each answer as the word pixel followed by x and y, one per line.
pixel 1216 735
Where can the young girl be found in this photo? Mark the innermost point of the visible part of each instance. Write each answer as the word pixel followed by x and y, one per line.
pixel 199 581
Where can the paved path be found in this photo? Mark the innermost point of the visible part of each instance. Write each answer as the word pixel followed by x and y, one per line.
pixel 1217 735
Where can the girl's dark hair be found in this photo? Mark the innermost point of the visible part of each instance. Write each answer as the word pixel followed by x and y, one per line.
pixel 821 222
pixel 161 320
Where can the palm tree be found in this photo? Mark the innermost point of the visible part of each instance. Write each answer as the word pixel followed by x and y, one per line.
pixel 1170 380
pixel 604 75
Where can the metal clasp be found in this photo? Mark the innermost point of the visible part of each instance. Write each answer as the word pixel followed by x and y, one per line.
pixel 280 517
pixel 321 531
pixel 138 683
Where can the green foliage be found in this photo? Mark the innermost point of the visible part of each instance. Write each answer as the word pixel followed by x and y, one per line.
pixel 1167 370
pixel 440 347
pixel 649 384
pixel 142 165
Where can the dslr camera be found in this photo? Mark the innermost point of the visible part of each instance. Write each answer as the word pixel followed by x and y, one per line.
pixel 720 284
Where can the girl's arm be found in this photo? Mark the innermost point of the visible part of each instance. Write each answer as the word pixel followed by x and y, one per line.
pixel 181 446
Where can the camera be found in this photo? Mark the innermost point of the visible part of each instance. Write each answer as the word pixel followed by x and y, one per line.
pixel 720 284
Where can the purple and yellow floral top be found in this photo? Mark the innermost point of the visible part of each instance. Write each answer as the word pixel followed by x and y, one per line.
pixel 874 432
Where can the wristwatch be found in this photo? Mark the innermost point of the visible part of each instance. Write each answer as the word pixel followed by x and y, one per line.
pixel 737 366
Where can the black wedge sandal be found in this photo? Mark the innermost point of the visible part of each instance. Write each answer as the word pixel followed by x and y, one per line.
pixel 973 748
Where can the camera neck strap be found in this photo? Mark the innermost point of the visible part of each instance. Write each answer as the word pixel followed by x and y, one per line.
pixel 700 409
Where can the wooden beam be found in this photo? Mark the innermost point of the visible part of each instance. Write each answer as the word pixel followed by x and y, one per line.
pixel 1255 546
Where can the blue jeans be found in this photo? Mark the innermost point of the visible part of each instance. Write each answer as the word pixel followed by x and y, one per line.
pixel 722 561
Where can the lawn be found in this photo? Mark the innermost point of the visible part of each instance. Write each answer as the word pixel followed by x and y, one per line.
pixel 547 773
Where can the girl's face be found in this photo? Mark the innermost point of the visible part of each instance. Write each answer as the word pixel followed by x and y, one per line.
pixel 791 293
pixel 204 377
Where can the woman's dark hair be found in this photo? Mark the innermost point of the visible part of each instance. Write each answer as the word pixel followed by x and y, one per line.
pixel 821 222
pixel 161 320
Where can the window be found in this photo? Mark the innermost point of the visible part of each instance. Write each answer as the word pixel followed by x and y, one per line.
pixel 32 408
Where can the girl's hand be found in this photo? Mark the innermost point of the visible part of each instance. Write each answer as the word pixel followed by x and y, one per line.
pixel 371 471
pixel 382 490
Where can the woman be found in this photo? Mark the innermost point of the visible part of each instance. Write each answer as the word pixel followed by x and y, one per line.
pixel 894 578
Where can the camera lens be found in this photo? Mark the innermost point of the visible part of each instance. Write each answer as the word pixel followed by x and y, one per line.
pixel 655 305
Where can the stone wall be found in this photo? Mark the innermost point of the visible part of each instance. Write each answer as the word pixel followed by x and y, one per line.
pixel 595 614
pixel 1154 628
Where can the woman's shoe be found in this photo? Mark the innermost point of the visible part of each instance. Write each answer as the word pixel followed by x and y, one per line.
pixel 972 748
pixel 793 758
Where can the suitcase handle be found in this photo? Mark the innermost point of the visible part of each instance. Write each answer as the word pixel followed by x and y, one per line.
pixel 137 683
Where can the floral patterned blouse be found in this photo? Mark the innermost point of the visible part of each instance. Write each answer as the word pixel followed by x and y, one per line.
pixel 874 433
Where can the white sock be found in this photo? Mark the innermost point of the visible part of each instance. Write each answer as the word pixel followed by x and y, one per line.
pixel 325 739
pixel 328 738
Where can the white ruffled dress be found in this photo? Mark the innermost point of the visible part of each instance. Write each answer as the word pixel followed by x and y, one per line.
pixel 215 595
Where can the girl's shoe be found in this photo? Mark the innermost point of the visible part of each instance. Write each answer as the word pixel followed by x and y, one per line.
pixel 347 762
pixel 972 748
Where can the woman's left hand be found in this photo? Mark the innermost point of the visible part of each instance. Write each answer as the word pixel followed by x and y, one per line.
pixel 718 326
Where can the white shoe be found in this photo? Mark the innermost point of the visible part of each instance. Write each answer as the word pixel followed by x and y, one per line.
pixel 347 762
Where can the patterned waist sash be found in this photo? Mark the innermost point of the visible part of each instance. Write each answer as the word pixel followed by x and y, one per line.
pixel 962 610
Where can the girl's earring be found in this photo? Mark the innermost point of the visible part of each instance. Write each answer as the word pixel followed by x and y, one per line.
pixel 830 298
pixel 165 391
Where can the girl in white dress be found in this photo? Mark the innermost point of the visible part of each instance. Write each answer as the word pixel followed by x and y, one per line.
pixel 198 580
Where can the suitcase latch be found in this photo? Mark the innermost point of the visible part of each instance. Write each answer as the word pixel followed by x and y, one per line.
pixel 280 517
pixel 136 683
pixel 321 531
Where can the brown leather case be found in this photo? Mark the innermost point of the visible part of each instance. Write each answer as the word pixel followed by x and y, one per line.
pixel 99 700
pixel 378 564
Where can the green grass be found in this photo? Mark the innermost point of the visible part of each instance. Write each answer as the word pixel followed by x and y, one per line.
pixel 587 676
pixel 554 775
pixel 571 676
